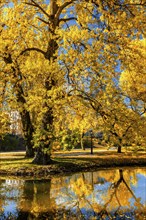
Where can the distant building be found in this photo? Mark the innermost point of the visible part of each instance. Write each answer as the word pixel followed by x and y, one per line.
pixel 15 122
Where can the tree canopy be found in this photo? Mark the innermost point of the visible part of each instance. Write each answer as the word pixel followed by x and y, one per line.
pixel 71 62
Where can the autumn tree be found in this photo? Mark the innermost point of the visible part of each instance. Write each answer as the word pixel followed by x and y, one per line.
pixel 15 85
pixel 99 56
pixel 14 51
pixel 78 44
pixel 51 19
pixel 4 123
pixel 121 126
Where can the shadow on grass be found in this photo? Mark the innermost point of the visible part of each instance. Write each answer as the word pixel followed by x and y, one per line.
pixel 28 162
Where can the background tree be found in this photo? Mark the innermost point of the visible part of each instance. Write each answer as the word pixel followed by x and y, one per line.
pixel 120 125
pixel 98 58
pixel 13 28
pixel 74 122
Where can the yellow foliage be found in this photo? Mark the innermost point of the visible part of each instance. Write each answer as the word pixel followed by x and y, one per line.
pixel 64 65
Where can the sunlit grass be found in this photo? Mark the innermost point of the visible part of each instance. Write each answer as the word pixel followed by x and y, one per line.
pixel 68 161
pixel 14 163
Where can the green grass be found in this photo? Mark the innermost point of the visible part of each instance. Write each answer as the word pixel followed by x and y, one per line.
pixel 68 162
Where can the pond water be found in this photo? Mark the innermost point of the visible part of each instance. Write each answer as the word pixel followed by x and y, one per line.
pixel 106 194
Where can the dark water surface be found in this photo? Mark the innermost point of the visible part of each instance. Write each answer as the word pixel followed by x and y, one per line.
pixel 106 194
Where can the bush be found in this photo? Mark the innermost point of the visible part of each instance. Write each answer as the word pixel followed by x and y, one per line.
pixel 12 142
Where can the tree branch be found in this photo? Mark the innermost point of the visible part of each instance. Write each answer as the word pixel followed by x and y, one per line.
pixel 32 49
pixel 134 4
pixel 62 7
pixel 132 193
pixel 38 6
pixel 67 19
pixel 46 22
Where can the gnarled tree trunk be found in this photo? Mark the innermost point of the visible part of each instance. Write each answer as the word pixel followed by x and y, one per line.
pixel 43 154
pixel 42 158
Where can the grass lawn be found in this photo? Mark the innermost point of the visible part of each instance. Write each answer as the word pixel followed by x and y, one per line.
pixel 15 163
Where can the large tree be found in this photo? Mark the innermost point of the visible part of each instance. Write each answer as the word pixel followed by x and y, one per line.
pixel 50 49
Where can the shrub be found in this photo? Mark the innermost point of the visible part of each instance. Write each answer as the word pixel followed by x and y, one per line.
pixel 12 142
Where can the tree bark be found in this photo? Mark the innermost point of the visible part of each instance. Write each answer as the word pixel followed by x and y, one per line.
pixel 43 154
pixel 119 149
pixel 27 132
pixel 42 158
pixel 119 145
pixel 82 142
pixel 27 126
pixel 29 152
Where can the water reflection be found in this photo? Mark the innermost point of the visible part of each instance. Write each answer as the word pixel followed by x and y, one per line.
pixel 108 194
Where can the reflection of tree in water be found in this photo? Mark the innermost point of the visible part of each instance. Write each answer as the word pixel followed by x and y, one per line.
pixel 112 202
pixel 2 197
pixel 25 203
pixel 35 202
pixel 94 195
pixel 118 198
pixel 32 203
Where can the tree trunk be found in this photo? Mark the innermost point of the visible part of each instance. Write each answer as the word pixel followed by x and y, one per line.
pixel 25 115
pixel 43 154
pixel 42 158
pixel 82 143
pixel 28 133
pixel 120 145
pixel 119 149
pixel 29 151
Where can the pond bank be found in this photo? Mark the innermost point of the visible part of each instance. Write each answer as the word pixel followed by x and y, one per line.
pixel 68 163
